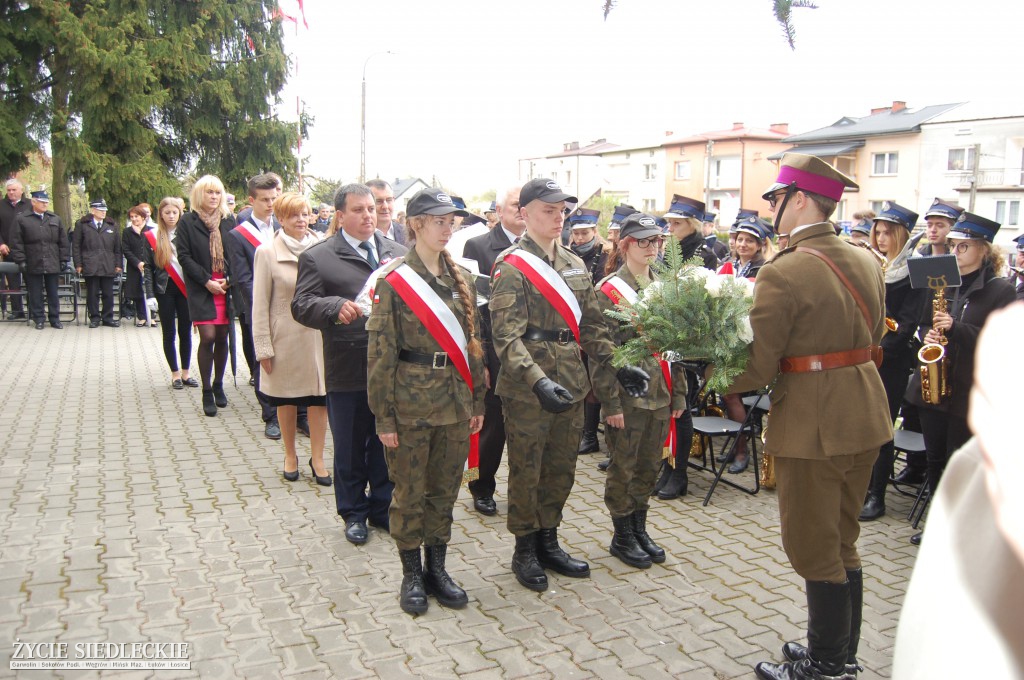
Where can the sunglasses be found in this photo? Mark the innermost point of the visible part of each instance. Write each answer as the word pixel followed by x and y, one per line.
pixel 774 198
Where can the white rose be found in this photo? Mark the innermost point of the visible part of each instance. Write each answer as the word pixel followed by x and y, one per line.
pixel 745 330
pixel 747 286
pixel 695 273
pixel 651 292
pixel 713 285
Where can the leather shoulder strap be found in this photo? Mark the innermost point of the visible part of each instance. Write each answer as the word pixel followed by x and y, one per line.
pixel 843 278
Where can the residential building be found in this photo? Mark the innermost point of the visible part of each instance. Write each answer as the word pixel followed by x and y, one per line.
pixel 635 174
pixel 405 189
pixel 578 169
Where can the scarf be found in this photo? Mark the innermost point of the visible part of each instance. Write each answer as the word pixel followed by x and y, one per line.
pixel 212 222
pixel 295 246
pixel 898 269
pixel 584 249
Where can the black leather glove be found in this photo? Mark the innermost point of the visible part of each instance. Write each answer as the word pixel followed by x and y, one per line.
pixel 553 397
pixel 634 380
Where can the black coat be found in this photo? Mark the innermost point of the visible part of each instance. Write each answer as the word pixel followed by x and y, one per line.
pixel 9 214
pixel 243 254
pixel 969 306
pixel 905 305
pixel 192 239
pixel 330 274
pixel 136 249
pixel 695 246
pixel 485 250
pixel 97 251
pixel 594 261
pixel 40 244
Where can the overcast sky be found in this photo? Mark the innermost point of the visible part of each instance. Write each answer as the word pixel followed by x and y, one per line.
pixel 475 85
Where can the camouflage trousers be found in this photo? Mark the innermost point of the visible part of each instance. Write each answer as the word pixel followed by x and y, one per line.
pixel 426 469
pixel 636 452
pixel 541 463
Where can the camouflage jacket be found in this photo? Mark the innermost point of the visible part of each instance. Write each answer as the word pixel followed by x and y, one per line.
pixel 658 396
pixel 516 304
pixel 404 393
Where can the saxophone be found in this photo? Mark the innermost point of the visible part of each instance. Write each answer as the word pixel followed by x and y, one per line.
pixel 933 356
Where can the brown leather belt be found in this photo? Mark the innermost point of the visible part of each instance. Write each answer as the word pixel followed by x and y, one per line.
pixel 825 362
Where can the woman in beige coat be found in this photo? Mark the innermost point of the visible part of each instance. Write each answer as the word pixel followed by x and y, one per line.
pixel 291 355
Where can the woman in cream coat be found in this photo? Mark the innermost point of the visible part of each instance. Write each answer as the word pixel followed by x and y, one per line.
pixel 291 355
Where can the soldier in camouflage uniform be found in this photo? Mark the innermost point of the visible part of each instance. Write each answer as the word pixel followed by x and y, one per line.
pixel 426 409
pixel 636 438
pixel 543 381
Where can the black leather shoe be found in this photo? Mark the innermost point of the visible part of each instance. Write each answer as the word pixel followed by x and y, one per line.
pixel 56 324
pixel 874 508
pixel 112 324
pixel 437 580
pixel 218 395
pixel 177 384
pixel 916 538
pixel 302 427
pixel 525 566
pixel 209 404
pixel 910 476
pixel 739 465
pixel 551 556
pixel 589 443
pixel 272 431
pixel 356 534
pixel 94 323
pixel 252 381
pixel 322 481
pixel 605 464
pixel 40 325
pixel 190 382
pixel 292 476
pixel 485 505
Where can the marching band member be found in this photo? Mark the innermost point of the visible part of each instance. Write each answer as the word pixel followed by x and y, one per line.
pixel 637 435
pixel 685 217
pixel 982 291
pixel 1017 271
pixel 939 219
pixel 543 308
pixel 426 389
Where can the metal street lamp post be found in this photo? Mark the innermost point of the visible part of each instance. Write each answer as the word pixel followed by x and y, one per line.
pixel 362 123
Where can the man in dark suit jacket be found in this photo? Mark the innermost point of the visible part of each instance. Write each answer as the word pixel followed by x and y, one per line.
pixel 13 206
pixel 485 249
pixel 96 248
pixel 384 202
pixel 331 275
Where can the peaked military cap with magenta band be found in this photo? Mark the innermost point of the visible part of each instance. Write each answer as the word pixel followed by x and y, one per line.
pixel 685 207
pixel 546 190
pixel 432 201
pixel 897 214
pixel 810 174
pixel 584 218
pixel 969 225
pixel 947 209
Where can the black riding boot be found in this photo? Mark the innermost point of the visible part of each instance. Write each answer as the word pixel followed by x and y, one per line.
pixel 828 636
pixel 874 504
pixel 437 581
pixel 656 552
pixel 551 556
pixel 413 595
pixel 591 417
pixel 663 477
pixel 915 472
pixel 624 545
pixel 525 565
pixel 677 483
pixel 794 651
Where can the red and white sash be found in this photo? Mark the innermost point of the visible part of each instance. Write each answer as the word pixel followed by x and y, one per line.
pixel 618 291
pixel 173 269
pixel 250 233
pixel 551 286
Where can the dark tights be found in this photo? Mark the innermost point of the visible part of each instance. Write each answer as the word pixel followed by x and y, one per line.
pixel 213 352
pixel 174 313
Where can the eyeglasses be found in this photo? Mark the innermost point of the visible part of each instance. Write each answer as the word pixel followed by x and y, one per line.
pixel 774 198
pixel 961 248
pixel 648 242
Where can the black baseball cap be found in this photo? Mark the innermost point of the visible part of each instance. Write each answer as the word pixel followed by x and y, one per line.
pixel 546 190
pixel 639 225
pixel 432 202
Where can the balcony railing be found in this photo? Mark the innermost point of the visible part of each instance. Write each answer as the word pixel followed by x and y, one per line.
pixel 991 178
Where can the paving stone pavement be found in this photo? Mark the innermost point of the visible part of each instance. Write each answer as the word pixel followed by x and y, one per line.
pixel 128 516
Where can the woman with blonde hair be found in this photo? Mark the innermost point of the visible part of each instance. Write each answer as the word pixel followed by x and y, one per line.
pixel 426 390
pixel 171 294
pixel 291 355
pixel 200 242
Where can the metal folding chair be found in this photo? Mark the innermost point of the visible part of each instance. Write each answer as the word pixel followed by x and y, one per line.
pixel 711 427
pixel 10 293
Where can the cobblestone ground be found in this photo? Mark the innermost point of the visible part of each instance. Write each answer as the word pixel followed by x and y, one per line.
pixel 128 516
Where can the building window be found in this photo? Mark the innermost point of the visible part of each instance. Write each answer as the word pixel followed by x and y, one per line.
pixel 568 177
pixel 876 206
pixel 650 205
pixel 1008 212
pixel 840 211
pixel 682 170
pixel 960 159
pixel 650 170
pixel 885 163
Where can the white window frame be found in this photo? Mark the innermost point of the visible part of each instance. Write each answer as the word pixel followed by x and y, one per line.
pixel 888 171
pixel 650 171
pixel 683 177
pixel 968 159
pixel 1008 212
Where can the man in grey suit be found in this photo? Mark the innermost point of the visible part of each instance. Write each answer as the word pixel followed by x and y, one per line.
pixel 384 202
pixel 331 275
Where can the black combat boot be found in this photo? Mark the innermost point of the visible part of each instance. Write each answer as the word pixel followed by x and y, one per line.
pixel 525 565
pixel 677 483
pixel 656 552
pixel 591 417
pixel 794 651
pixel 624 545
pixel 874 505
pixel 828 637
pixel 437 581
pixel 413 595
pixel 551 556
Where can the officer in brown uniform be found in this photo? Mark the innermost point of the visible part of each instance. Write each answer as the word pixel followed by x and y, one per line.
pixel 818 320
pixel 426 387
pixel 543 306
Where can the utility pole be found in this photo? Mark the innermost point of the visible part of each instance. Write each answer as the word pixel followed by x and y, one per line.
pixel 974 176
pixel 362 121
